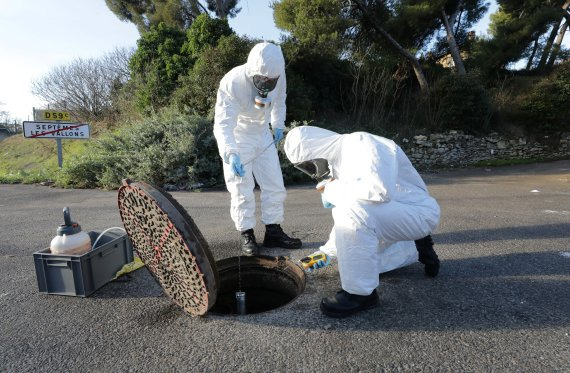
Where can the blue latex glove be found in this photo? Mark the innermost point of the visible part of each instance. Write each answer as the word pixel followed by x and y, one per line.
pixel 236 165
pixel 278 134
pixel 326 204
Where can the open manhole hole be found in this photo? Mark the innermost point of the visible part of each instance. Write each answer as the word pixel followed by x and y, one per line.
pixel 176 253
pixel 267 282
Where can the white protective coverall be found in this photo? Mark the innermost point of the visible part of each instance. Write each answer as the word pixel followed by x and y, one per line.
pixel 243 129
pixel 381 203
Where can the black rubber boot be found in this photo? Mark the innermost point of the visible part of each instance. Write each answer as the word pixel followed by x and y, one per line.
pixel 427 256
pixel 248 244
pixel 344 304
pixel 275 237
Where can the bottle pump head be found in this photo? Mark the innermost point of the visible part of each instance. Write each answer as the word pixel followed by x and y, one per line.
pixel 69 227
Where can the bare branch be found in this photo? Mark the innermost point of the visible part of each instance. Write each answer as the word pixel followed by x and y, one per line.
pixel 85 86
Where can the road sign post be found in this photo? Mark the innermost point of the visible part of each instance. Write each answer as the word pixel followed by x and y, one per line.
pixel 55 124
pixel 59 152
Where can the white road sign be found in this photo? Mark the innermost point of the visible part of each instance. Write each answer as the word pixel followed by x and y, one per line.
pixel 56 130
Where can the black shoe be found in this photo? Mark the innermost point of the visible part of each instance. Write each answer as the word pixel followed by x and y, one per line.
pixel 248 244
pixel 427 256
pixel 275 237
pixel 345 304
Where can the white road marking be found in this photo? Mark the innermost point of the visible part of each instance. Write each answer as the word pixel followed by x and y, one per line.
pixel 556 212
pixel 565 254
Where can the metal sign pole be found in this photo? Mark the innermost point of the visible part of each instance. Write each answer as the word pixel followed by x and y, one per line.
pixel 59 153
pixel 58 143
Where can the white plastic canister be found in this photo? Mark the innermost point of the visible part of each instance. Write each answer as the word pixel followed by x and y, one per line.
pixel 70 239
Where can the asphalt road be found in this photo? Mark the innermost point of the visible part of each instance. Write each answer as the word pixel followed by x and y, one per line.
pixel 500 303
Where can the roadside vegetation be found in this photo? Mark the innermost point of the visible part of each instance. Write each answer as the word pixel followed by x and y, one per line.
pixel 395 69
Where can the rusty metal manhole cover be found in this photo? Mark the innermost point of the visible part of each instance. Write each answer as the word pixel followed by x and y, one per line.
pixel 170 244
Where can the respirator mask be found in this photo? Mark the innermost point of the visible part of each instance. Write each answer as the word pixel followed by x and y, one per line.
pixel 317 168
pixel 264 85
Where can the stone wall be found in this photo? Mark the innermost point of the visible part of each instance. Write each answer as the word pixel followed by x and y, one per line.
pixel 456 149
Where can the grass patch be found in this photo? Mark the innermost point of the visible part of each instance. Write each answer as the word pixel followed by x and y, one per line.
pixel 31 161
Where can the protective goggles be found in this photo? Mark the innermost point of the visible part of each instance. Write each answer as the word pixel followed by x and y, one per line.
pixel 317 169
pixel 264 84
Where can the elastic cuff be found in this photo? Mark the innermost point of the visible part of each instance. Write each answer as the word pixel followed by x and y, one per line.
pixel 332 189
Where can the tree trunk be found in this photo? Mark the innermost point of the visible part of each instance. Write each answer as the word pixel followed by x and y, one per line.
pixel 458 22
pixel 221 11
pixel 556 46
pixel 424 86
pixel 548 46
pixel 551 38
pixel 452 43
pixel 534 48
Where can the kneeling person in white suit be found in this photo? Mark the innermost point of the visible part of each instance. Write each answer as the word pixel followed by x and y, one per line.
pixel 380 206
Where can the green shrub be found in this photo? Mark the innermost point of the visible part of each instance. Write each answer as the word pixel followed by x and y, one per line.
pixel 547 105
pixel 315 82
pixel 197 91
pixel 166 148
pixel 299 97
pixel 205 32
pixel 460 102
pixel 156 65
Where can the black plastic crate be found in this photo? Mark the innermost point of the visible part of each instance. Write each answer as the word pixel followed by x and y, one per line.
pixel 81 275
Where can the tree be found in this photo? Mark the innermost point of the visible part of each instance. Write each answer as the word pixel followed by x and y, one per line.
pixel 157 64
pixel 448 22
pixel 4 115
pixel 366 12
pixel 224 8
pixel 197 90
pixel 553 33
pixel 454 16
pixel 533 52
pixel 166 54
pixel 321 25
pixel 347 27
pixel 177 14
pixel 515 28
pixel 85 86
pixel 558 41
pixel 205 32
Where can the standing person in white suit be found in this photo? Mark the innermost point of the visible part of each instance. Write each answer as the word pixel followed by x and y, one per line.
pixel 380 206
pixel 250 98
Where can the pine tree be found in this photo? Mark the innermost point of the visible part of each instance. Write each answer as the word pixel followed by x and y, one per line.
pixel 516 27
pixel 174 13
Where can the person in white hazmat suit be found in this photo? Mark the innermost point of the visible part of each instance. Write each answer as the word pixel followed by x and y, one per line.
pixel 249 98
pixel 383 214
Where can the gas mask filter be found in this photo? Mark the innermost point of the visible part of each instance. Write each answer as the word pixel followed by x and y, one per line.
pixel 264 85
pixel 317 168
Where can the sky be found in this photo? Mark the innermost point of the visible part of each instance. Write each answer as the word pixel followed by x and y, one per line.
pixel 37 35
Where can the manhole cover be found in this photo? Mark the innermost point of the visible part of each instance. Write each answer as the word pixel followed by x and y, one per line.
pixel 170 244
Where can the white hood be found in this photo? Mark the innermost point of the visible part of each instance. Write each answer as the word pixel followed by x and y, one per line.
pixel 265 59
pixel 306 143
pixel 367 167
